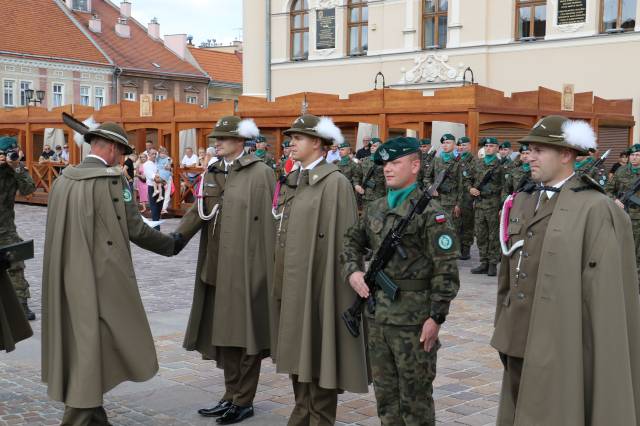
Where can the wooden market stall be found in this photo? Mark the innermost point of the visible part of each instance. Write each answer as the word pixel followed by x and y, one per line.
pixel 483 112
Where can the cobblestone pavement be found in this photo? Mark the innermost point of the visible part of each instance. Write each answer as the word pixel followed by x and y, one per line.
pixel 466 388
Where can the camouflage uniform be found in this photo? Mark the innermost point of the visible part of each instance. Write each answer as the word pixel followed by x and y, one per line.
pixel 11 182
pixel 486 208
pixel 620 183
pixel 515 178
pixel 348 167
pixel 266 158
pixel 402 371
pixel 599 175
pixel 426 164
pixel 449 193
pixel 375 187
pixel 465 224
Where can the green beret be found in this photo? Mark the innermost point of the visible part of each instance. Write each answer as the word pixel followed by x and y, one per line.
pixel 261 139
pixel 505 144
pixel 396 148
pixel 344 145
pixel 634 148
pixel 286 144
pixel 523 147
pixel 447 137
pixel 463 139
pixel 376 140
pixel 426 141
pixel 487 141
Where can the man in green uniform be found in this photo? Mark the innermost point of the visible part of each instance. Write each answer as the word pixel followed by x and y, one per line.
pixel 281 170
pixel 14 326
pixel 622 182
pixel 229 319
pixel 14 178
pixel 426 161
pixel 567 323
pixel 449 192
pixel 403 334
pixel 369 179
pixel 465 224
pixel 263 154
pixel 486 188
pixel 584 164
pixel 505 152
pixel 315 207
pixel 519 174
pixel 347 166
pixel 95 333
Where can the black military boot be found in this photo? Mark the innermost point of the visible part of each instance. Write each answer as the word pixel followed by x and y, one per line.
pixel 483 268
pixel 492 271
pixel 31 316
pixel 465 253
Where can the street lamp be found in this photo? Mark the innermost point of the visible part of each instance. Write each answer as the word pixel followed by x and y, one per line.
pixel 39 96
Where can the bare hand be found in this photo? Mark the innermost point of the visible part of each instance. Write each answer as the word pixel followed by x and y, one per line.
pixel 456 211
pixel 474 192
pixel 429 335
pixel 619 203
pixel 356 280
pixel 434 193
pixel 359 189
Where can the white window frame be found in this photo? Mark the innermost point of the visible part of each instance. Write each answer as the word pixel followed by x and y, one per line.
pixel 75 7
pixel 129 95
pixel 54 94
pixel 13 92
pixel 160 97
pixel 192 97
pixel 88 95
pixel 22 93
pixel 97 104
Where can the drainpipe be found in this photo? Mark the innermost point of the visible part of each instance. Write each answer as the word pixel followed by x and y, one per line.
pixel 268 50
pixel 115 93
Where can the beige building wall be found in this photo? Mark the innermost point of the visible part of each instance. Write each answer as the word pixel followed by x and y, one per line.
pixel 481 35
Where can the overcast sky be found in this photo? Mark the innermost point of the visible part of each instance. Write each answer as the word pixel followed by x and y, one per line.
pixel 203 19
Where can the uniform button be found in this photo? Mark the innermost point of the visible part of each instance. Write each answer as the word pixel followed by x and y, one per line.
pixel 115 200
pixel 321 235
pixel 115 182
pixel 281 244
pixel 255 218
pixel 525 254
pixel 109 243
pixel 530 234
pixel 592 264
pixel 118 217
pixel 523 275
pixel 521 296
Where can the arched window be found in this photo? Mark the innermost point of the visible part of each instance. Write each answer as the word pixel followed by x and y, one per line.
pixel 531 19
pixel 434 23
pixel 299 29
pixel 617 15
pixel 358 20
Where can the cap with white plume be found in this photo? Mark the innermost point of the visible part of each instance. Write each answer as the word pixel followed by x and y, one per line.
pixel 319 127
pixel 562 132
pixel 91 124
pixel 235 127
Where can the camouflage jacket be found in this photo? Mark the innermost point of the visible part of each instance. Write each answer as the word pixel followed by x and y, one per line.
pixel 599 175
pixel 514 179
pixel 431 246
pixel 375 186
pixel 449 192
pixel 620 183
pixel 268 160
pixel 11 182
pixel 466 177
pixel 491 193
pixel 426 163
pixel 349 170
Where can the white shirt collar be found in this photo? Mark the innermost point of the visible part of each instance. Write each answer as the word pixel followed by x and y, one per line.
pixel 99 158
pixel 312 165
pixel 229 164
pixel 558 185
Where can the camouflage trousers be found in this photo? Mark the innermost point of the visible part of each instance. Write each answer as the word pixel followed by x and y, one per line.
pixel 487 229
pixel 635 224
pixel 16 270
pixel 403 374
pixel 465 226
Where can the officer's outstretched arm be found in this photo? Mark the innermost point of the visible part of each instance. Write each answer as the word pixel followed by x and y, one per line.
pixel 144 236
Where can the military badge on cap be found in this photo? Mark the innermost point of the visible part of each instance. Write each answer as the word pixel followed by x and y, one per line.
pixel 396 148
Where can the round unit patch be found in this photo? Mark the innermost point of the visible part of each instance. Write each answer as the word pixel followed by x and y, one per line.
pixel 445 242
pixel 126 195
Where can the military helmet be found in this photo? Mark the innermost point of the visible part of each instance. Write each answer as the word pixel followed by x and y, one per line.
pixel 317 127
pixel 396 148
pixel 562 132
pixel 111 132
pixel 233 126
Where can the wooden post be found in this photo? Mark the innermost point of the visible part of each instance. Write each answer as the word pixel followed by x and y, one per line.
pixel 175 147
pixel 473 129
pixel 422 131
pixel 279 140
pixel 28 148
pixel 383 129
pixel 75 155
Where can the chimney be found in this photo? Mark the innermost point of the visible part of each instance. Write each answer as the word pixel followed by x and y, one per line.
pixel 154 29
pixel 122 28
pixel 125 9
pixel 177 43
pixel 95 24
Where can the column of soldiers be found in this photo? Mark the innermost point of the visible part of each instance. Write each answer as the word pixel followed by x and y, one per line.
pixel 300 247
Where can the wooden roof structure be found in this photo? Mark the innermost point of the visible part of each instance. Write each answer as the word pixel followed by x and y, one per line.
pixel 479 108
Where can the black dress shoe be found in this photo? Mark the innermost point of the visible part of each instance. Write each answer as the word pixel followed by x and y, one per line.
pixel 465 253
pixel 235 414
pixel 216 411
pixel 492 270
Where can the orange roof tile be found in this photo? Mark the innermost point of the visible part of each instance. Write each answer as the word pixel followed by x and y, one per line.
pixel 140 51
pixel 221 66
pixel 42 29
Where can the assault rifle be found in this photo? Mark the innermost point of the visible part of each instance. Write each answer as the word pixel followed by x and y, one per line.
pixel 375 278
pixel 15 253
pixel 629 197
pixel 488 176
pixel 596 164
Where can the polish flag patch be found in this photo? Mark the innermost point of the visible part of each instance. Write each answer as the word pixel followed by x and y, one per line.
pixel 441 218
